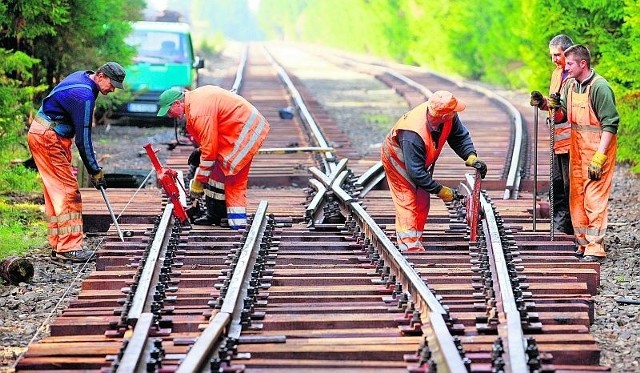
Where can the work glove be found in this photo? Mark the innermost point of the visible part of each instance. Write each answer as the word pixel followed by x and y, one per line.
pixel 194 158
pixel 595 166
pixel 196 189
pixel 98 180
pixel 553 101
pixel 449 194
pixel 537 99
pixel 473 161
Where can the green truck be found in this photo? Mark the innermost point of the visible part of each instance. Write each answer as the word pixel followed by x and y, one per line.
pixel 164 59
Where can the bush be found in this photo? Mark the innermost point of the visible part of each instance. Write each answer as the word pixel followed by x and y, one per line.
pixel 629 130
pixel 212 47
pixel 21 228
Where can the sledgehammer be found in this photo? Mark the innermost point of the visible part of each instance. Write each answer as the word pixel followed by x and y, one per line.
pixel 113 217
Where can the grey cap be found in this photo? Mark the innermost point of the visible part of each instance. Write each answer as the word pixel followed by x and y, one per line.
pixel 115 72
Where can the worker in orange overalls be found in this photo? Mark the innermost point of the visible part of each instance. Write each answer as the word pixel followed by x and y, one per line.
pixel 562 137
pixel 229 131
pixel 67 113
pixel 409 154
pixel 588 103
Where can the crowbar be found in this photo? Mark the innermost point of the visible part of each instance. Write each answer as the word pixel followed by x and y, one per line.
pixel 535 166
pixel 113 217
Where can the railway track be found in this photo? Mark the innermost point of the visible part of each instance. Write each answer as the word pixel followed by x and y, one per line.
pixel 315 281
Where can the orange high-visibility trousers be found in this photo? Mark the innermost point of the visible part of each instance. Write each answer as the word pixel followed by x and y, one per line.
pixel 63 203
pixel 412 208
pixel 588 199
pixel 234 188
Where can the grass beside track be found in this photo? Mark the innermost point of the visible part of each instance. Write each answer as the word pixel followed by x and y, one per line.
pixel 22 224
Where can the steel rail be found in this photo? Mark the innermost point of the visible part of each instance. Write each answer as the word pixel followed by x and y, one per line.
pixel 510 327
pixel 432 313
pixel 139 303
pixel 230 313
pixel 512 184
pixel 314 206
pixel 306 116
pixel 237 83
pixel 370 178
pixel 136 345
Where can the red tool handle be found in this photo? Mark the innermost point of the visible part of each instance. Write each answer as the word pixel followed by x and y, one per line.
pixel 473 208
pixel 168 178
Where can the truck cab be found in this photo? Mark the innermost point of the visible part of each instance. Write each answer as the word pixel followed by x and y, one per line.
pixel 164 60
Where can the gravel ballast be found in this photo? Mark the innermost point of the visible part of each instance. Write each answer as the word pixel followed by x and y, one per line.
pixel 366 108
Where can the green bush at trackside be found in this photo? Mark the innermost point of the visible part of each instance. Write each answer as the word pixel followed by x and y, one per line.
pixel 22 227
pixel 38 47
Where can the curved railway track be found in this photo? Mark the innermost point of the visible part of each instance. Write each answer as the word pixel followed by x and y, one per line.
pixel 315 282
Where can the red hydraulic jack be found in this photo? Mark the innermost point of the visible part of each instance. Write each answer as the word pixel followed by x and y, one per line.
pixel 169 180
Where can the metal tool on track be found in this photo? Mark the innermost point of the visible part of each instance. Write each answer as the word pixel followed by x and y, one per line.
pixel 113 217
pixel 473 208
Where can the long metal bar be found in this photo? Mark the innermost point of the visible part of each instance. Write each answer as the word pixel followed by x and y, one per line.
pixel 301 149
pixel 552 145
pixel 535 166
pixel 113 216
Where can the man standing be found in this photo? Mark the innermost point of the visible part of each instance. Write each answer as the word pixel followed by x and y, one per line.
pixel 67 112
pixel 562 137
pixel 588 104
pixel 409 153
pixel 229 131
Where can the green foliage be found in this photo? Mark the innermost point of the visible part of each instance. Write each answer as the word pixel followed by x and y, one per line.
pixel 21 228
pixel 69 35
pixel 15 97
pixel 18 179
pixel 211 47
pixel 629 131
pixel 502 42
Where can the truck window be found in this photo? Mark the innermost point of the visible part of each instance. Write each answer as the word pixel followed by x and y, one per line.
pixel 159 47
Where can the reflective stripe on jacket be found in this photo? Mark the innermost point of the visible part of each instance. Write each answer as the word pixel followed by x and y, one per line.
pixel 227 127
pixel 562 131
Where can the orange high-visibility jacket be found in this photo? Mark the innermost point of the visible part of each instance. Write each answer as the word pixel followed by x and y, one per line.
pixel 415 121
pixel 228 129
pixel 562 131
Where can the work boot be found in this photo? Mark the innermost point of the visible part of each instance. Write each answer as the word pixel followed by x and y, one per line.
pixel 593 259
pixel 76 256
pixel 206 220
pixel 579 251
